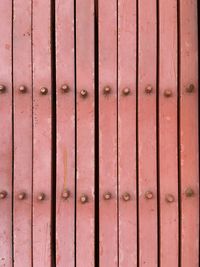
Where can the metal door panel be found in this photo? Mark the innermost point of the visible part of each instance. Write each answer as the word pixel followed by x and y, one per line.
pixel 65 200
pixel 85 133
pixel 147 132
pixel 108 188
pixel 127 133
pixel 168 151
pixel 41 133
pixel 22 78
pixel 189 144
pixel 6 134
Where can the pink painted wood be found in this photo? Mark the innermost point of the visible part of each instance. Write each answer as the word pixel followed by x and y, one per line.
pixel 6 133
pixel 127 132
pixel 147 143
pixel 65 212
pixel 168 133
pixel 85 133
pixel 108 222
pixel 22 77
pixel 41 133
pixel 189 144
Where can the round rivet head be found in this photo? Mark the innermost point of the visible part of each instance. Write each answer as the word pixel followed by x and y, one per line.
pixel 189 192
pixel 126 91
pixel 43 90
pixel 168 93
pixel 190 88
pixel 65 194
pixel 22 196
pixel 169 198
pixel 126 196
pixel 107 196
pixel 41 196
pixel 84 199
pixel 22 89
pixel 65 88
pixel 106 90
pixel 3 194
pixel 83 93
pixel 149 195
pixel 148 89
pixel 2 88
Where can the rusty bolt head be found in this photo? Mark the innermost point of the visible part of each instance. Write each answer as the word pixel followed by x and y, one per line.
pixel 168 93
pixel 126 91
pixel 126 196
pixel 148 89
pixel 107 90
pixel 41 196
pixel 189 192
pixel 84 199
pixel 22 196
pixel 22 89
pixel 149 195
pixel 190 88
pixel 169 198
pixel 43 90
pixel 3 194
pixel 84 93
pixel 107 196
pixel 65 194
pixel 65 88
pixel 2 88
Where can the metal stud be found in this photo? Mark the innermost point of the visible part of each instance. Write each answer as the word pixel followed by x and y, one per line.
pixel 107 90
pixel 148 89
pixel 43 90
pixel 22 196
pixel 168 93
pixel 189 192
pixel 3 194
pixel 84 199
pixel 190 88
pixel 84 93
pixel 149 195
pixel 65 88
pixel 41 196
pixel 65 194
pixel 169 198
pixel 22 89
pixel 126 196
pixel 126 91
pixel 107 196
pixel 2 88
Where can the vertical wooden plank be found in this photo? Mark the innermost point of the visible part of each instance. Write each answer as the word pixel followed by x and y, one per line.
pixel 168 133
pixel 189 145
pixel 65 133
pixel 108 221
pixel 22 78
pixel 85 133
pixel 147 144
pixel 6 133
pixel 42 133
pixel 127 132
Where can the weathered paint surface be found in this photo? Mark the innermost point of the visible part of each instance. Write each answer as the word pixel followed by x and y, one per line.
pixel 85 133
pixel 147 132
pixel 168 147
pixel 189 144
pixel 41 133
pixel 6 133
pixel 108 221
pixel 22 87
pixel 65 200
pixel 127 133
